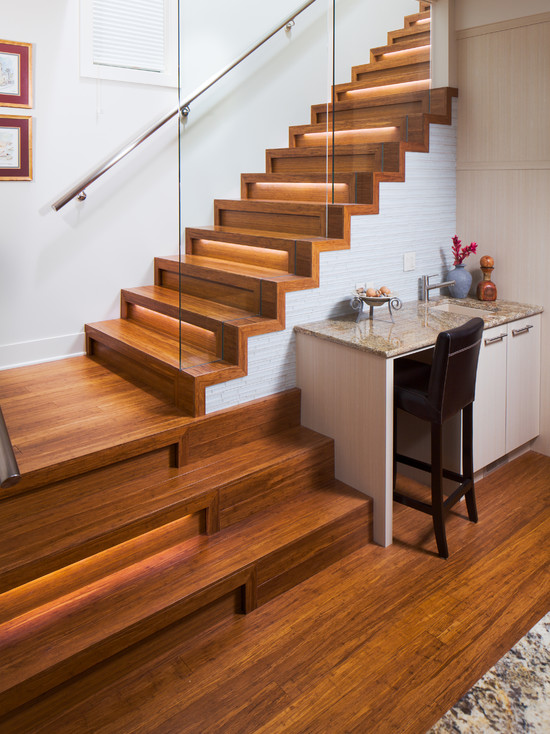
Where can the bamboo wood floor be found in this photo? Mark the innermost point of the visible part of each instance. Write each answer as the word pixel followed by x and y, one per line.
pixel 385 640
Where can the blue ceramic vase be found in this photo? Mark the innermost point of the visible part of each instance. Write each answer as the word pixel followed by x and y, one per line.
pixel 463 281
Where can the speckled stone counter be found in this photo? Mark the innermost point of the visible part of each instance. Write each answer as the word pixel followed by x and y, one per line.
pixel 416 325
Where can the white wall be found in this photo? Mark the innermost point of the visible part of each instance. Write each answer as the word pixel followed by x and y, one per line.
pixel 251 109
pixel 417 215
pixel 58 271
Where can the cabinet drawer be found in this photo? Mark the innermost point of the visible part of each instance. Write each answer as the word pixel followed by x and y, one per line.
pixel 490 402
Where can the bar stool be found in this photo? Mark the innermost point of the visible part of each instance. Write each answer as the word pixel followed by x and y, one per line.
pixel 435 393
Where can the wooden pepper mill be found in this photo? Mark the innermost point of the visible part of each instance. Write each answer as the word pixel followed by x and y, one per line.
pixel 486 289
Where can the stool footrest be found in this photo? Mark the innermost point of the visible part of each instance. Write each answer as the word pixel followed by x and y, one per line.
pixel 404 499
pixel 424 466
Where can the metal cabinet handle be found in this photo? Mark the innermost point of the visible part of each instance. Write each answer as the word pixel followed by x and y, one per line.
pixel 525 330
pixel 495 339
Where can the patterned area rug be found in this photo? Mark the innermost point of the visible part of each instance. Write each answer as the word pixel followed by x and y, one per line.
pixel 513 697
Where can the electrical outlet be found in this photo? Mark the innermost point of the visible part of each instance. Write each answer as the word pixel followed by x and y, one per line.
pixel 409 261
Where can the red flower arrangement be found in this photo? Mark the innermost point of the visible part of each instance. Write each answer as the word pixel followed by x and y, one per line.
pixel 460 253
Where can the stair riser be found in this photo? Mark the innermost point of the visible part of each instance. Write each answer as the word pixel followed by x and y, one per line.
pixel 392 57
pixel 420 35
pixel 301 562
pixel 190 327
pixel 354 188
pixel 290 192
pixel 241 296
pixel 370 115
pixel 299 219
pixel 272 258
pixel 276 484
pixel 344 163
pixel 171 384
pixel 398 75
pixel 352 136
pixel 281 222
pixel 58 673
pixel 385 158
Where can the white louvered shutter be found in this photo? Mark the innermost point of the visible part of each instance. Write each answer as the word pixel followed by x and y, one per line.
pixel 129 34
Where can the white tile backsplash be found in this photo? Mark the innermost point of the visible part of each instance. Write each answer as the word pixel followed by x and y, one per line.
pixel 417 215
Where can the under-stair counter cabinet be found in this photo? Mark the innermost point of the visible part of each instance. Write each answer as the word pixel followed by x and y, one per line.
pixel 345 371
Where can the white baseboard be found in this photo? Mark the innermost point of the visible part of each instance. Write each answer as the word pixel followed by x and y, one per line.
pixel 41 350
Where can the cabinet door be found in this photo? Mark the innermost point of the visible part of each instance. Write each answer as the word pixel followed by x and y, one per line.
pixel 490 402
pixel 523 393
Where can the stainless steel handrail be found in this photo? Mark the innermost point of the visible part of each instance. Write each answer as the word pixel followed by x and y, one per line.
pixel 9 471
pixel 78 189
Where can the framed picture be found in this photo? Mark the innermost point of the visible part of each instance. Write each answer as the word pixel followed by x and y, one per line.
pixel 15 148
pixel 15 74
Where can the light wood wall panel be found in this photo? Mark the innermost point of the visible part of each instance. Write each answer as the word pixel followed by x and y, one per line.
pixel 503 165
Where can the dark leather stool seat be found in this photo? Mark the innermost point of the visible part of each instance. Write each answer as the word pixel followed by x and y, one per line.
pixel 435 393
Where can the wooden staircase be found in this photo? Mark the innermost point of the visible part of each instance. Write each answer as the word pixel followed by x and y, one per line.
pixel 190 330
pixel 199 516
pixel 97 561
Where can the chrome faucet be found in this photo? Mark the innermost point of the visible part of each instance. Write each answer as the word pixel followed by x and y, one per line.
pixel 426 287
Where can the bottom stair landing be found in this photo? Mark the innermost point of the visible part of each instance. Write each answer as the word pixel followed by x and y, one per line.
pixel 186 523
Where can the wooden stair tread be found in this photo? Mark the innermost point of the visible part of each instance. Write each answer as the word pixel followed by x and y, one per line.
pixel 257 234
pixel 157 346
pixel 375 99
pixel 227 266
pixel 153 502
pixel 408 44
pixel 186 304
pixel 314 151
pixel 396 58
pixel 135 601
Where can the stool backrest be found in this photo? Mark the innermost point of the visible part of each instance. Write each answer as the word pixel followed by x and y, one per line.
pixel 454 367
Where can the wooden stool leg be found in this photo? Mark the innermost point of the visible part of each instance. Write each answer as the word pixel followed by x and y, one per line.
pixel 437 491
pixel 468 459
pixel 394 445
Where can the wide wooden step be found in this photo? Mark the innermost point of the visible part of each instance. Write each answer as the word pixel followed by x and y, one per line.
pixel 349 188
pixel 52 642
pixel 359 158
pixel 67 521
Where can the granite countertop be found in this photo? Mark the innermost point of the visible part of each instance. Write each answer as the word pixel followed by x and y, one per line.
pixel 416 326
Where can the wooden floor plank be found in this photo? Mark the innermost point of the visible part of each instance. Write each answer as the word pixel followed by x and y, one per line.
pixel 385 640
